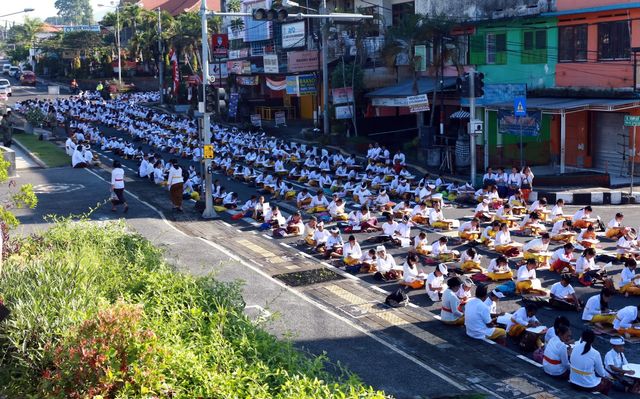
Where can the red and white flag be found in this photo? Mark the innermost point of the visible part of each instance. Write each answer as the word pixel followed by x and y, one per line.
pixel 173 57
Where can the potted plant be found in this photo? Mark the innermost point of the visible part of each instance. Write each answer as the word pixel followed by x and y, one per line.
pixel 35 118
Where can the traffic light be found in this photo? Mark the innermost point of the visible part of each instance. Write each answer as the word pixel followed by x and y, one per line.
pixel 273 14
pixel 211 98
pixel 478 84
pixel 462 85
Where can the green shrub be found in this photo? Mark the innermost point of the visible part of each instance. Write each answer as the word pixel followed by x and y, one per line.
pixel 96 312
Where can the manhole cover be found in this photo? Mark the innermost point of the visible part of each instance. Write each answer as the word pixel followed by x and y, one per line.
pixel 308 277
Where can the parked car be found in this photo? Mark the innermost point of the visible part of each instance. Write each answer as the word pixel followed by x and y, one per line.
pixel 5 69
pixel 5 84
pixel 13 70
pixel 28 78
pixel 4 95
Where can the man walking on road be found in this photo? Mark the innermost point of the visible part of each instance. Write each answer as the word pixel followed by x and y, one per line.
pixel 117 186
pixel 175 183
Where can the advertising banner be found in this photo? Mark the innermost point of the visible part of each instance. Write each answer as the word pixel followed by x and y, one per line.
pixel 528 125
pixel 302 61
pixel 293 35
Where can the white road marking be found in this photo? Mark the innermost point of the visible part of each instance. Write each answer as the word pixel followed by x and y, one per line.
pixel 323 308
pixel 526 359
pixel 225 223
pixel 267 236
pixel 284 244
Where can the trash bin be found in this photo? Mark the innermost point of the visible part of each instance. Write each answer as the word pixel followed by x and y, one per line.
pixel 53 90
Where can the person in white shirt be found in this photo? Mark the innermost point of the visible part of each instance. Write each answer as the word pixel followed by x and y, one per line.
pixel 561 231
pixel 492 302
pixel 295 225
pixel 627 245
pixel 504 244
pixel 352 253
pixel 319 203
pixel 582 218
pixel 615 229
pixel 450 312
pixel 514 180
pixel 336 209
pixel 596 310
pixel 69 146
pixel 175 183
pixel 388 229
pixel 587 370
pixel 562 259
pixel 77 159
pixel 536 249
pixel 440 251
pixel 117 186
pixel 303 199
pixel 555 360
pixel 527 281
pixel 436 217
pixel 477 319
pixel 563 295
pixel 421 244
pixel 334 245
pixel 499 269
pixel 629 280
pixel 470 261
pixel 411 275
pixel 470 230
pixel 386 264
pixel 435 281
pixel 320 237
pixel 557 212
pixel 614 362
pixel 522 319
pixel 625 320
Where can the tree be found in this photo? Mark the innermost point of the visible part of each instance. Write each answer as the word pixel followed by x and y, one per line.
pixel 75 12
pixel 400 41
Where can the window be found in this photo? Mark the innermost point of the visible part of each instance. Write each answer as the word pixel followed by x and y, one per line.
pixel 496 48
pixel 534 47
pixel 573 43
pixel 400 10
pixel 614 40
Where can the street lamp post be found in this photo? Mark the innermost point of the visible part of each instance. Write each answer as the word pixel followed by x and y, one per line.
pixel 209 212
pixel 18 12
pixel 117 34
pixel 160 57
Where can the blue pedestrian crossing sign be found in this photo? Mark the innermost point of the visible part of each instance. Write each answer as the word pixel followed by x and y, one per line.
pixel 520 106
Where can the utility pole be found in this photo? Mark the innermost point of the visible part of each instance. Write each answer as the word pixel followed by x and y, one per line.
pixel 325 70
pixel 472 118
pixel 160 57
pixel 209 212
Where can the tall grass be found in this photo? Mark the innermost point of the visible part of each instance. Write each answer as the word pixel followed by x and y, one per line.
pixel 97 313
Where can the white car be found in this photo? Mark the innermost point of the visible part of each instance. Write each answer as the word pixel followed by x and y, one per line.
pixel 5 84
pixel 13 70
pixel 4 95
pixel 6 68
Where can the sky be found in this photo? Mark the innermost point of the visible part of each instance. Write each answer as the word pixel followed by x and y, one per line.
pixel 43 9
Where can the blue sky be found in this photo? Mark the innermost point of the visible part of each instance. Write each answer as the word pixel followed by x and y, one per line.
pixel 44 9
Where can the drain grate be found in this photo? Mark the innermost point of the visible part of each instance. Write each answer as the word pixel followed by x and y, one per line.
pixel 308 277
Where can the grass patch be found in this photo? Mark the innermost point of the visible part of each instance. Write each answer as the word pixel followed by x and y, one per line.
pixel 52 155
pixel 97 313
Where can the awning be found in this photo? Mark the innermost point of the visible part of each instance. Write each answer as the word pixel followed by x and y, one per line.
pixel 460 115
pixel 611 7
pixel 558 105
pixel 405 89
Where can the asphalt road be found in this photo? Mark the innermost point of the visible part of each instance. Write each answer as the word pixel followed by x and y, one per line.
pixel 312 329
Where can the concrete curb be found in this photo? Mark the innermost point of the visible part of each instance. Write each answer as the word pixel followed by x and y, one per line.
pixel 30 154
pixel 582 198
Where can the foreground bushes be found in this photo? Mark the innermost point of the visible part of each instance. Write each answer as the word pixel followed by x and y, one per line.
pixel 96 313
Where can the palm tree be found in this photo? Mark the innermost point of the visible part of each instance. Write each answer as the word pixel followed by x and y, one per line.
pixel 400 41
pixel 25 34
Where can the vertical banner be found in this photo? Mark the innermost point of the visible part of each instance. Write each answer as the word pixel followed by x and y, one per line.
pixel 233 104
pixel 280 118
pixel 256 120
pixel 174 71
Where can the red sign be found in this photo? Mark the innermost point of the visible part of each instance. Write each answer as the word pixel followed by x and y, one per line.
pixel 302 61
pixel 220 45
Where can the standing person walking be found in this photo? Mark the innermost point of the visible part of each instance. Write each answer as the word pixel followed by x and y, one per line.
pixel 175 183
pixel 117 186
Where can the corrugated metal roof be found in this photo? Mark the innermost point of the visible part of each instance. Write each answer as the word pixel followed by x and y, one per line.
pixel 611 7
pixel 405 89
pixel 554 104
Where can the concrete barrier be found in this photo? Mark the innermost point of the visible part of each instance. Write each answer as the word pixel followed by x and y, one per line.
pixel 53 90
pixel 9 155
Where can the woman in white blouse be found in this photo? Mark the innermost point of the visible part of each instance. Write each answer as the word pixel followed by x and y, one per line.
pixel 587 370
